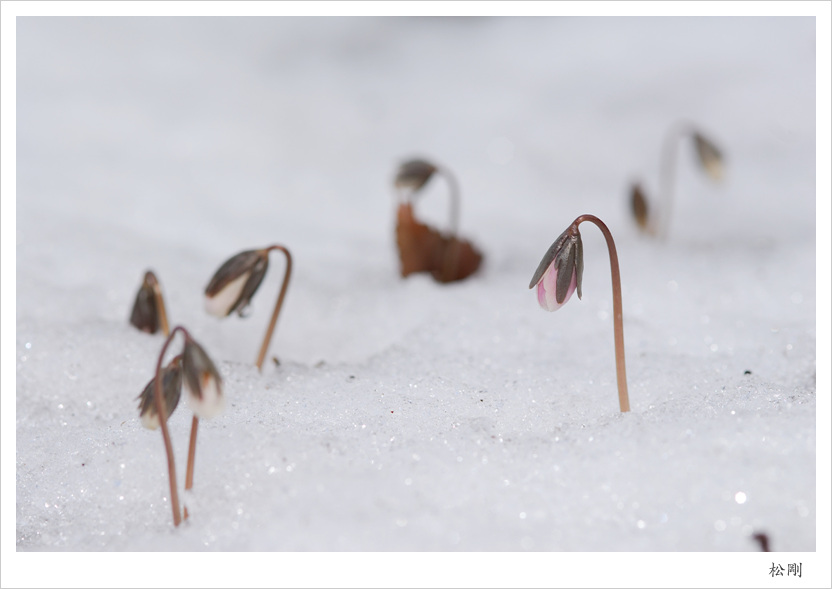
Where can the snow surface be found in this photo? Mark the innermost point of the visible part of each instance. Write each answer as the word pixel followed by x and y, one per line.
pixel 407 415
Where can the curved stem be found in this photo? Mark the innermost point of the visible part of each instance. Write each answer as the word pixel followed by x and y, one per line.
pixel 618 322
pixel 454 197
pixel 452 250
pixel 667 174
pixel 189 473
pixel 163 422
pixel 267 339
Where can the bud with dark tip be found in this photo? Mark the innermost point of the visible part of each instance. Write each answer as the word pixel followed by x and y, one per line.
pixel 559 273
pixel 414 174
pixel 638 204
pixel 148 313
pixel 171 390
pixel 709 156
pixel 202 381
pixel 236 281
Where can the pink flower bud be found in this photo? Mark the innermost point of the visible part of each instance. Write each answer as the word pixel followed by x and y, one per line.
pixel 547 288
pixel 559 273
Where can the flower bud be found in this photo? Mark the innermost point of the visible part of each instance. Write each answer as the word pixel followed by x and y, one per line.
pixel 559 273
pixel 202 381
pixel 709 156
pixel 639 207
pixel 414 174
pixel 145 314
pixel 233 285
pixel 171 391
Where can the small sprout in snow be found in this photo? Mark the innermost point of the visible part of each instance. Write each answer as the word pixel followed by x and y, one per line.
pixel 708 156
pixel 762 539
pixel 161 396
pixel 236 281
pixel 149 313
pixel 422 248
pixel 559 275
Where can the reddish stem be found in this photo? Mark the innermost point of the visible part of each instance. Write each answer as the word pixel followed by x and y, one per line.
pixel 189 473
pixel 618 323
pixel 454 196
pixel 163 422
pixel 451 261
pixel 667 177
pixel 270 330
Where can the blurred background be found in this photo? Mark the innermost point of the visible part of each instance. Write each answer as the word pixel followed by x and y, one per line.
pixel 212 135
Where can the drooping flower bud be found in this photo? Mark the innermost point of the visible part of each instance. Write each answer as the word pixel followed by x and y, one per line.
pixel 709 156
pixel 146 314
pixel 559 273
pixel 236 281
pixel 171 391
pixel 638 204
pixel 414 174
pixel 202 381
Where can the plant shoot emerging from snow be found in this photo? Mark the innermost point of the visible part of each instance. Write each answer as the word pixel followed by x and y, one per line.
pixel 708 156
pixel 422 248
pixel 236 281
pixel 559 275
pixel 161 396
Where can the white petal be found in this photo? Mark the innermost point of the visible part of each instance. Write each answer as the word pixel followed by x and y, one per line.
pixel 220 304
pixel 550 279
pixel 212 402
pixel 150 421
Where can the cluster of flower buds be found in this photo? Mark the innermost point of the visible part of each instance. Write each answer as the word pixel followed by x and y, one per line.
pixel 194 369
pixel 202 381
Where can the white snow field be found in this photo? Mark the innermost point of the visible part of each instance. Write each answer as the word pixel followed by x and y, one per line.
pixel 404 415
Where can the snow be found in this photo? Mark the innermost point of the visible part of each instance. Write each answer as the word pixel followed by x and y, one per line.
pixel 407 415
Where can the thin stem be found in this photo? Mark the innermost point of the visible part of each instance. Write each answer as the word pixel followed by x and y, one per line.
pixel 618 322
pixel 267 339
pixel 454 198
pixel 163 422
pixel 189 473
pixel 667 176
pixel 452 250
